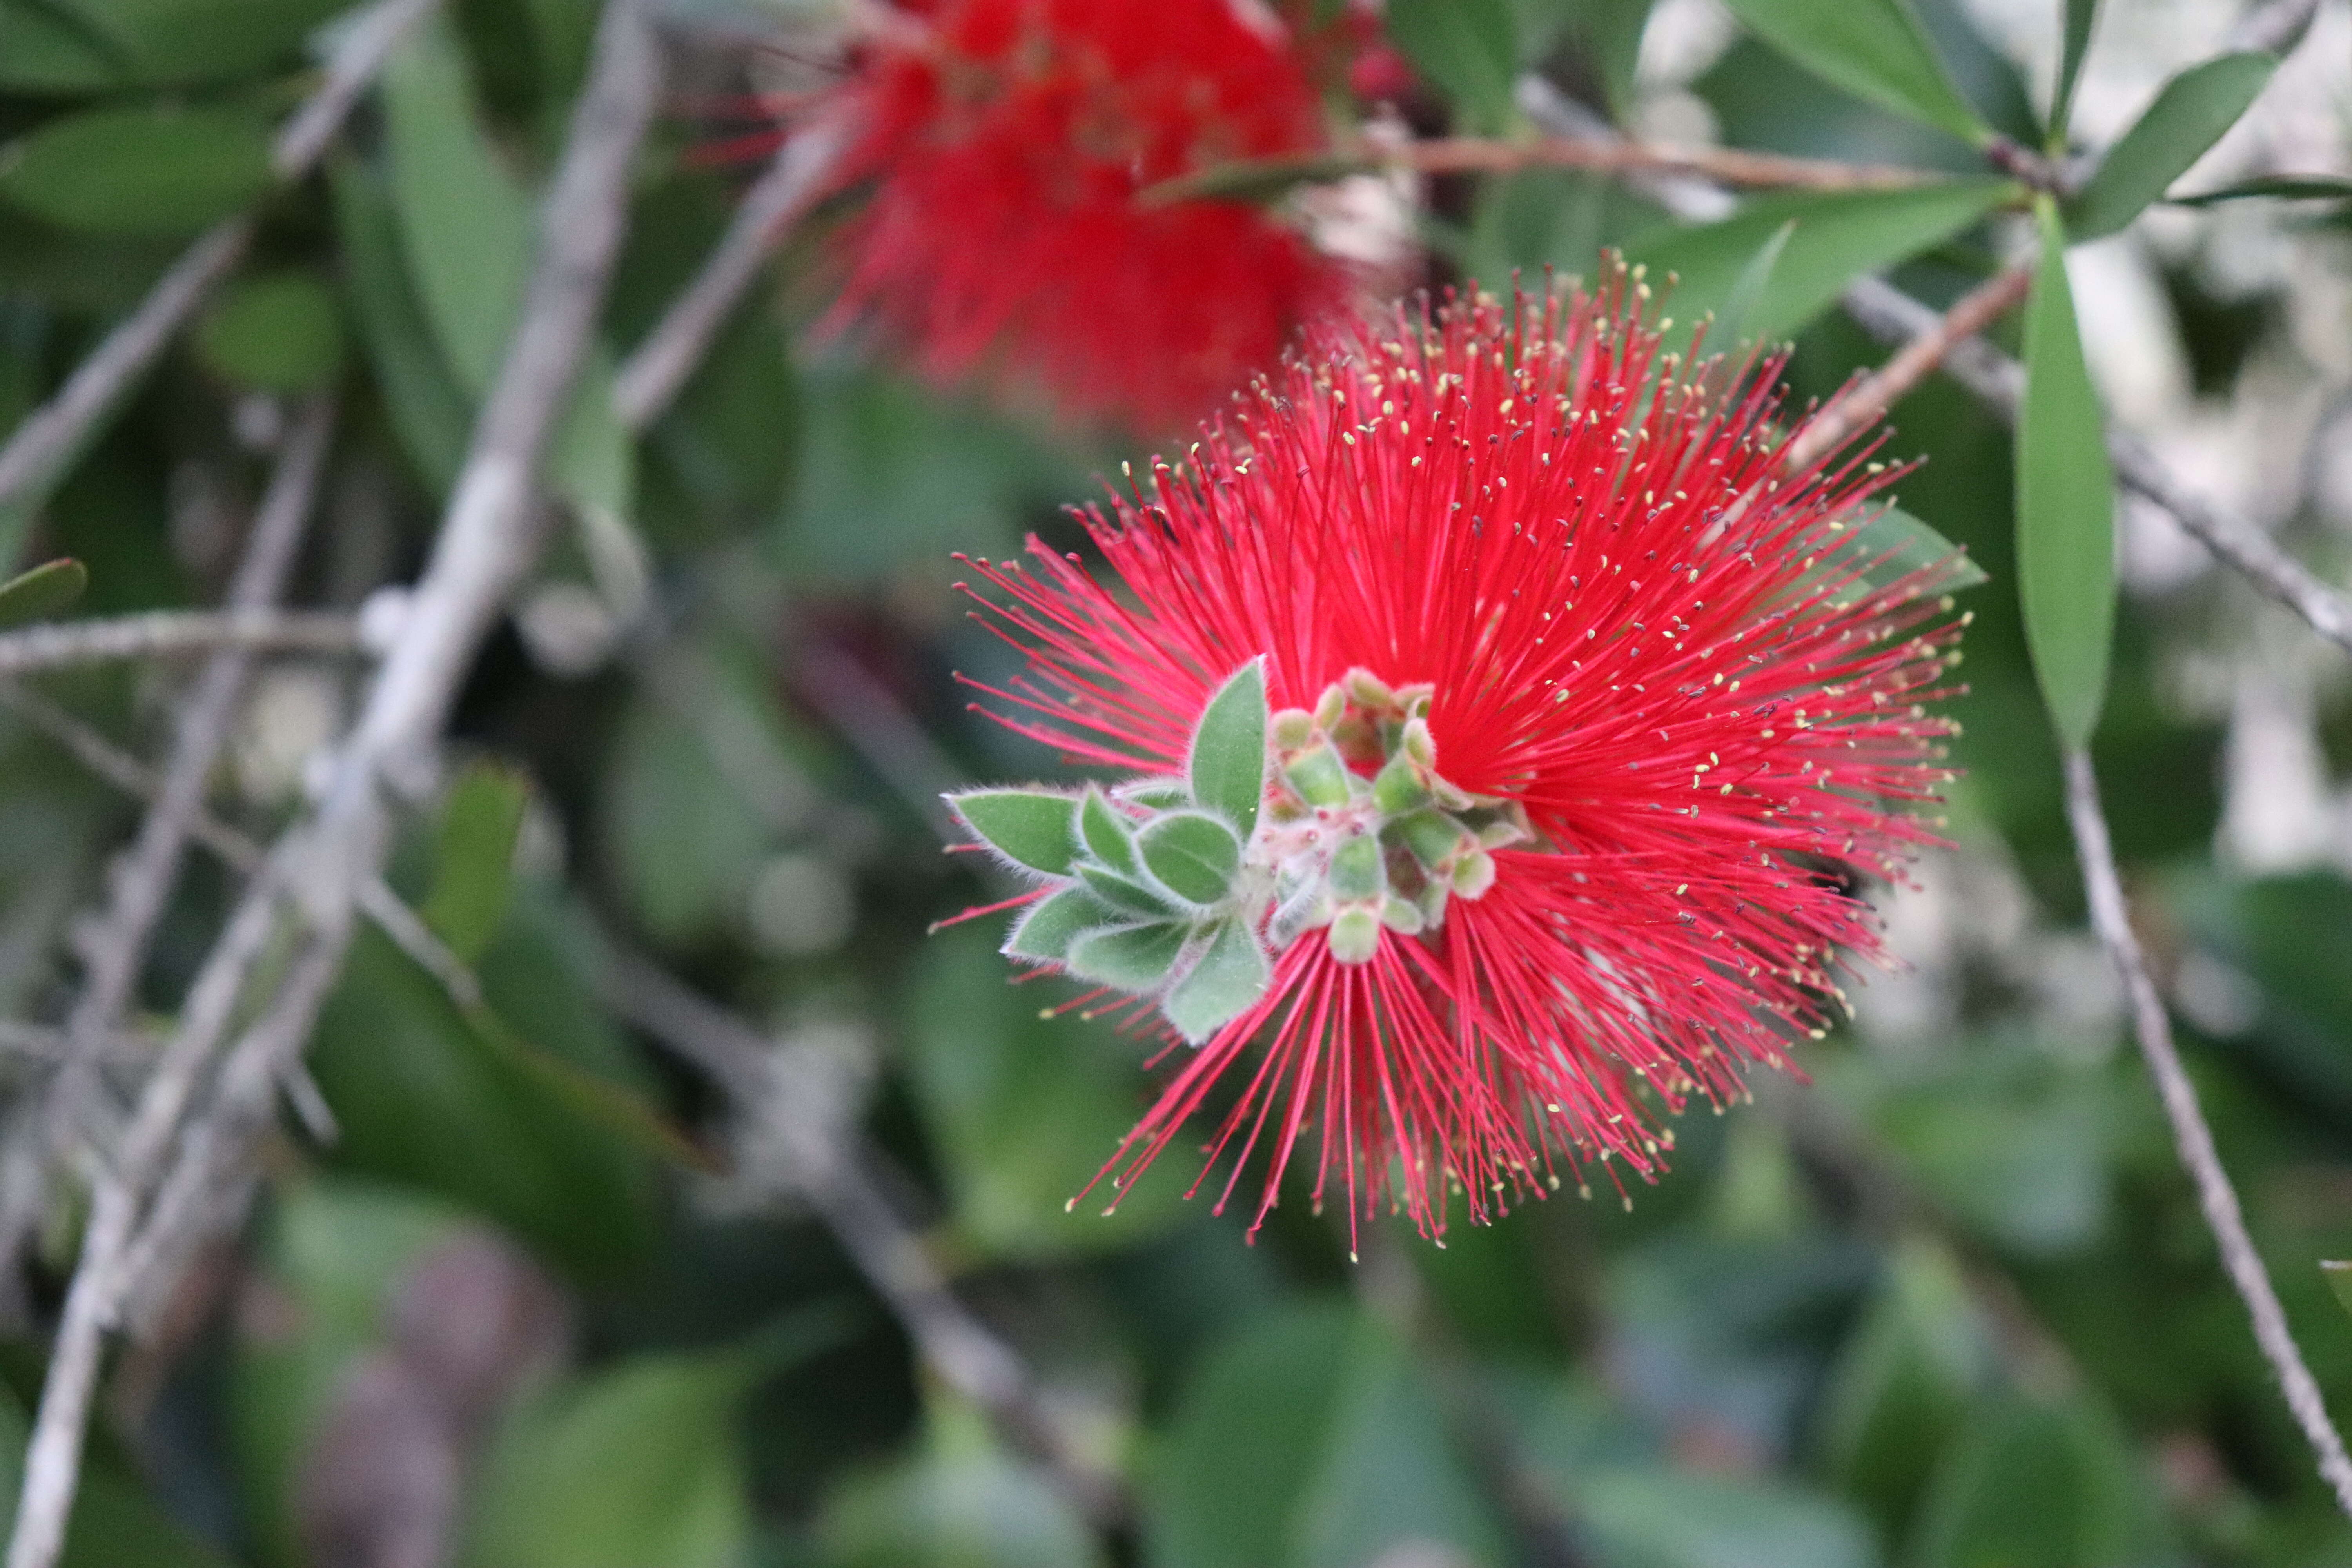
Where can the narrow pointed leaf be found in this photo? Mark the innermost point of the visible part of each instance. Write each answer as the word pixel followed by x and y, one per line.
pixel 1731 318
pixel 1030 827
pixel 1839 236
pixel 2187 117
pixel 2285 187
pixel 1133 958
pixel 473 869
pixel 1874 49
pixel 42 591
pixel 1894 545
pixel 2073 46
pixel 2066 504
pixel 1192 854
pixel 1043 934
pixel 1105 835
pixel 1467 48
pixel 1227 981
pixel 2338 1272
pixel 1227 762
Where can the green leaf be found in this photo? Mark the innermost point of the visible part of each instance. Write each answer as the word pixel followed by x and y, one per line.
pixel 1043 933
pixel 1839 237
pixel 1309 1440
pixel 1105 834
pixel 1666 1517
pixel 2066 504
pixel 93 46
pixel 277 332
pixel 393 1055
pixel 1874 49
pixel 1894 545
pixel 2187 117
pixel 466 226
pixel 1227 760
pixel 2075 43
pixel 1024 1108
pixel 41 593
pixel 431 414
pixel 473 861
pixel 683 841
pixel 2029 1484
pixel 1192 854
pixel 2285 187
pixel 1732 317
pixel 2338 1272
pixel 959 1501
pixel 1467 48
pixel 1134 958
pixel 1226 983
pixel 1123 894
pixel 137 172
pixel 635 1465
pixel 1033 828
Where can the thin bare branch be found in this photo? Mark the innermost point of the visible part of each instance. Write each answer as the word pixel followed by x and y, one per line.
pixel 829 1172
pixel 488 538
pixel 48 439
pixel 164 633
pixel 1999 381
pixel 113 947
pixel 1859 404
pixel 659 368
pixel 2152 1027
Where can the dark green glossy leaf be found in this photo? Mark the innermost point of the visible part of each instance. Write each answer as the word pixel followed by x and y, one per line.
pixel 2029 1484
pixel 1023 1108
pixel 42 591
pixel 1732 317
pixel 431 414
pixel 1839 237
pixel 137 172
pixel 960 1499
pixel 1044 931
pixel 1665 1515
pixel 473 863
pixel 1309 1440
pixel 1226 983
pixel 1032 828
pixel 94 46
pixel 1134 958
pixel 1227 759
pixel 2187 117
pixel 2075 43
pixel 1192 854
pixel 276 332
pixel 1874 49
pixel 1469 48
pixel 2283 187
pixel 2065 505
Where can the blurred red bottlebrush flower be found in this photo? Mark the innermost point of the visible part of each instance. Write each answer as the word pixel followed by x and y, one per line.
pixel 1007 142
pixel 1591 707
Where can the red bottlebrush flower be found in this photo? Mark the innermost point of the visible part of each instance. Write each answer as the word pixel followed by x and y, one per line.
pixel 1007 142
pixel 1591 707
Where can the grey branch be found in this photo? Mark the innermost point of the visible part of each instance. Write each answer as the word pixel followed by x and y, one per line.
pixel 2153 1029
pixel 138 885
pixel 659 368
pixel 487 540
pixel 54 433
pixel 1999 381
pixel 164 633
pixel 829 1172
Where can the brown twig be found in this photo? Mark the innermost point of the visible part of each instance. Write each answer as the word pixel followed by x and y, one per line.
pixel 1860 403
pixel 2152 1027
pixel 794 1102
pixel 50 437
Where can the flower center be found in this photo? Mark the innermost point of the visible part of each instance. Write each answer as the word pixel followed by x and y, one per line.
pixel 1360 829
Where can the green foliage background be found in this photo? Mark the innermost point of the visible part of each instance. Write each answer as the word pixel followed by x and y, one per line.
pixel 1951 1306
